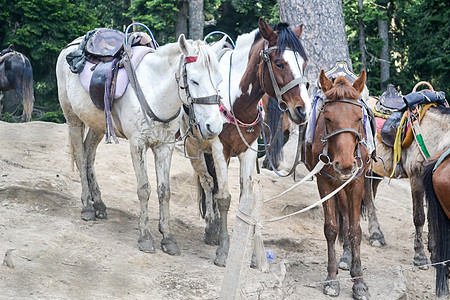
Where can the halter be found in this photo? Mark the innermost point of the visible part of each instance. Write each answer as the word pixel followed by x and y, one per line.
pixel 324 139
pixel 266 58
pixel 190 101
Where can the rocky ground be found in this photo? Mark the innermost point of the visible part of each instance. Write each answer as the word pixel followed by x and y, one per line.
pixel 58 256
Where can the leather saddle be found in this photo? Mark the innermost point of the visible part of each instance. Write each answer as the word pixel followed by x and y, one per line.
pixel 394 104
pixel 105 44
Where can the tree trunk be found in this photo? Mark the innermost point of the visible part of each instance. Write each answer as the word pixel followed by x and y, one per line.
pixel 383 32
pixel 362 37
pixel 181 21
pixel 196 21
pixel 323 37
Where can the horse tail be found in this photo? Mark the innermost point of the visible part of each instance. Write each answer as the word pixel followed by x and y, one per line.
pixel 273 119
pixel 72 148
pixel 439 231
pixel 27 90
pixel 212 171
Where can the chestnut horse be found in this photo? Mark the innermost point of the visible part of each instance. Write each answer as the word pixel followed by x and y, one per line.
pixel 264 61
pixel 16 75
pixel 339 141
pixel 436 176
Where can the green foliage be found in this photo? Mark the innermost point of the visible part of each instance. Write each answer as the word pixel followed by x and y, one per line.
pixel 236 17
pixel 159 15
pixel 418 41
pixel 53 116
pixel 7 117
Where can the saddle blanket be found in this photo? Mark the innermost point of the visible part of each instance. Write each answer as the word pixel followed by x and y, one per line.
pixel 122 79
pixel 315 111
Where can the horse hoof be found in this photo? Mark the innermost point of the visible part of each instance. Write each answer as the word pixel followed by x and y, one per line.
pixel 170 247
pixel 331 289
pixel 221 260
pixel 211 239
pixel 360 291
pixel 421 261
pixel 88 215
pixel 376 239
pixel 146 245
pixel 101 214
pixel 343 265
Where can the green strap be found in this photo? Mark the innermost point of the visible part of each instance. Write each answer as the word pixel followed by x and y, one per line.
pixel 422 145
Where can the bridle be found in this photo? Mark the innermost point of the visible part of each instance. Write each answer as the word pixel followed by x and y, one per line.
pixel 188 105
pixel 326 136
pixel 264 54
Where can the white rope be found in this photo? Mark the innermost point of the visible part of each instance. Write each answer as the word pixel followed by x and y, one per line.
pixel 314 171
pixel 315 203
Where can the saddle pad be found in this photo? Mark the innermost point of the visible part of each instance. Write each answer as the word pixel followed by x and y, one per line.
pixel 122 79
pixel 389 129
pixel 380 122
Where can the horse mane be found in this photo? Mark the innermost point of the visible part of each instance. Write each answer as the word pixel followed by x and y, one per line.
pixel 287 37
pixel 173 51
pixel 342 89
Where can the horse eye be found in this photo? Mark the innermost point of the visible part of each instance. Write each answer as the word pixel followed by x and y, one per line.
pixel 279 65
pixel 194 82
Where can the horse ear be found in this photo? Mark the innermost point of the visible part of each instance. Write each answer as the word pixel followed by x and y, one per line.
pixel 325 83
pixel 359 83
pixel 218 46
pixel 184 45
pixel 267 32
pixel 299 30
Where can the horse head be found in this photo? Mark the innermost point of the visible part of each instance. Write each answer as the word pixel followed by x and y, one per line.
pixel 282 69
pixel 201 77
pixel 343 123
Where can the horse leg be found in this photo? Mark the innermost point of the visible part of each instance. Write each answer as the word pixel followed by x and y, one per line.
pixel 376 236
pixel 138 157
pixel 345 261
pixel 417 192
pixel 163 157
pixel 91 142
pixel 331 287
pixel 360 289
pixel 223 199
pixel 76 133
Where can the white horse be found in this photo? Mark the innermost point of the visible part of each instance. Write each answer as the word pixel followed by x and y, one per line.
pixel 164 77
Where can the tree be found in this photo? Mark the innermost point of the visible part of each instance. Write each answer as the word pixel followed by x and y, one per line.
pixel 196 19
pixel 323 37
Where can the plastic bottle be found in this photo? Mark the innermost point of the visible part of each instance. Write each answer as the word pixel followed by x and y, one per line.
pixel 270 255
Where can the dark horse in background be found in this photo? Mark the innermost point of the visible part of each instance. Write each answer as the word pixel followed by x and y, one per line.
pixel 16 75
pixel 338 138
pixel 436 176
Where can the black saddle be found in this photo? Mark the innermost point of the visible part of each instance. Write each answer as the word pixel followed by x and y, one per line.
pixel 392 99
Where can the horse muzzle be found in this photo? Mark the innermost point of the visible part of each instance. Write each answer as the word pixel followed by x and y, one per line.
pixel 345 172
pixel 298 115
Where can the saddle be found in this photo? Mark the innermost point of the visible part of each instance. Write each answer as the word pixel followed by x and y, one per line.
pixel 392 106
pixel 102 50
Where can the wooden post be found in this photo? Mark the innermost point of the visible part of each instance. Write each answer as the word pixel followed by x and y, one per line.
pixel 241 249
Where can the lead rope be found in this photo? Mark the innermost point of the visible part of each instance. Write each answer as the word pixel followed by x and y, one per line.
pixel 260 252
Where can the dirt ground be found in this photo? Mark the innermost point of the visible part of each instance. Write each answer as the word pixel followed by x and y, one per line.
pixel 58 256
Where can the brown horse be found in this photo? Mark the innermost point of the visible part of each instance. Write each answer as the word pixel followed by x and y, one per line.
pixel 436 176
pixel 264 61
pixel 338 141
pixel 16 75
